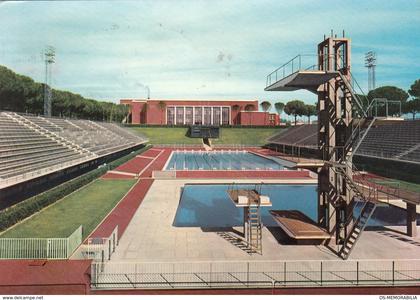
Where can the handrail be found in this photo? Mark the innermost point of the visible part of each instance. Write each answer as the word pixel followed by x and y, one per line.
pixel 246 274
pixel 294 62
pixel 372 193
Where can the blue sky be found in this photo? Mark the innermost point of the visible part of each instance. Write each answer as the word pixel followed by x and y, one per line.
pixel 201 49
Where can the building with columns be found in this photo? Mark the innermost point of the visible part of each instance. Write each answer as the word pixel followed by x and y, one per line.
pixel 206 112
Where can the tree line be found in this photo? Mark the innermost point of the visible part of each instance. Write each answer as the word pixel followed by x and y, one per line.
pixel 22 94
pixel 411 106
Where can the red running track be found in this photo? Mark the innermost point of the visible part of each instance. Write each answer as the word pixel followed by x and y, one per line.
pixel 122 214
pixel 52 277
pixel 134 165
pixel 152 153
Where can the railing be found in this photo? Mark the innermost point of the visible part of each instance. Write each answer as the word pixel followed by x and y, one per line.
pixel 74 240
pixel 307 151
pixel 253 274
pixel 6 181
pixel 40 248
pixel 297 63
pixel 101 249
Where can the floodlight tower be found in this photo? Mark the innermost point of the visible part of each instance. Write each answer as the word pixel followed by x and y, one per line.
pixel 49 58
pixel 370 63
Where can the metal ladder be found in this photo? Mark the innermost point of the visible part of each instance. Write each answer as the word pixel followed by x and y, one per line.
pixel 254 237
pixel 357 229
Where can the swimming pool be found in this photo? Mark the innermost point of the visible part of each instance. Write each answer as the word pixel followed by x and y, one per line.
pixel 220 160
pixel 209 206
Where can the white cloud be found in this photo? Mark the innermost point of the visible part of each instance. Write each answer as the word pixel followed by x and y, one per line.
pixel 197 49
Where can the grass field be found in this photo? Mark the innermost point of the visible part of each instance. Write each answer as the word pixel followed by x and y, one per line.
pixel 245 136
pixel 409 186
pixel 87 207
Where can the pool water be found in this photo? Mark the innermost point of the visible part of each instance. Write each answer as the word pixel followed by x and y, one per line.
pixel 220 160
pixel 210 206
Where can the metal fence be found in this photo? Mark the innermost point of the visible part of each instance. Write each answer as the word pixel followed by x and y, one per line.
pixel 40 248
pixel 253 274
pixel 100 249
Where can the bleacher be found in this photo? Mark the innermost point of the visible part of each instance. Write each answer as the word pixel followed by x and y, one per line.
pixel 31 146
pixel 394 140
pixel 303 135
pixel 399 141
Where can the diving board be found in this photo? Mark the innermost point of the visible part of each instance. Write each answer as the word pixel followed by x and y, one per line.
pixel 248 197
pixel 300 227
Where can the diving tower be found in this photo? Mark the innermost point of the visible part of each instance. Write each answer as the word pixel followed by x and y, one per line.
pixel 251 200
pixel 343 121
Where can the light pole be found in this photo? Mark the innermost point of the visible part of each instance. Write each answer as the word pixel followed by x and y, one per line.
pixel 370 63
pixel 49 56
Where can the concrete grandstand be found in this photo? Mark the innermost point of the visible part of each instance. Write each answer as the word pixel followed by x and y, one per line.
pixel 35 146
pixel 395 140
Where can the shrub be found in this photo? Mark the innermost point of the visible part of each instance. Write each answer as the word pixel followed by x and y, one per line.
pixel 22 210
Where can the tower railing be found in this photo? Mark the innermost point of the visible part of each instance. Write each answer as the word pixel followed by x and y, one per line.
pixel 298 63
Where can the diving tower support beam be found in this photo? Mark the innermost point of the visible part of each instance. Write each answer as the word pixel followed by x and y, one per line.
pixel 335 126
pixel 411 220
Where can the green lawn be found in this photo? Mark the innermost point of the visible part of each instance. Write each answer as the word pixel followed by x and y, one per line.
pixel 409 186
pixel 244 136
pixel 87 207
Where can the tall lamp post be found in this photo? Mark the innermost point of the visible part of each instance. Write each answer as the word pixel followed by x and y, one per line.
pixel 49 57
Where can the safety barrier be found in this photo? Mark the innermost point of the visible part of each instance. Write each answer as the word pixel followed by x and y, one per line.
pixel 100 249
pixel 253 274
pixel 40 248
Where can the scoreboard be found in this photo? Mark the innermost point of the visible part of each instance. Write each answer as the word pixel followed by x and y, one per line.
pixel 204 131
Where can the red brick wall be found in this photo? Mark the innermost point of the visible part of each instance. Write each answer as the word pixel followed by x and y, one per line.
pixel 155 115
pixel 256 118
pixel 274 119
pixel 138 115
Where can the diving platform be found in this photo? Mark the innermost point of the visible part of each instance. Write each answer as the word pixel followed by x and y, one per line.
pixel 300 227
pixel 302 79
pixel 302 162
pixel 248 197
pixel 251 201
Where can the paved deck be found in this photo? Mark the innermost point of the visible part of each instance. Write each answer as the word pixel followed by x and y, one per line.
pixel 150 236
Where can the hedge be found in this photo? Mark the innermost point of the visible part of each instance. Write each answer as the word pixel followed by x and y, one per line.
pixel 22 210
